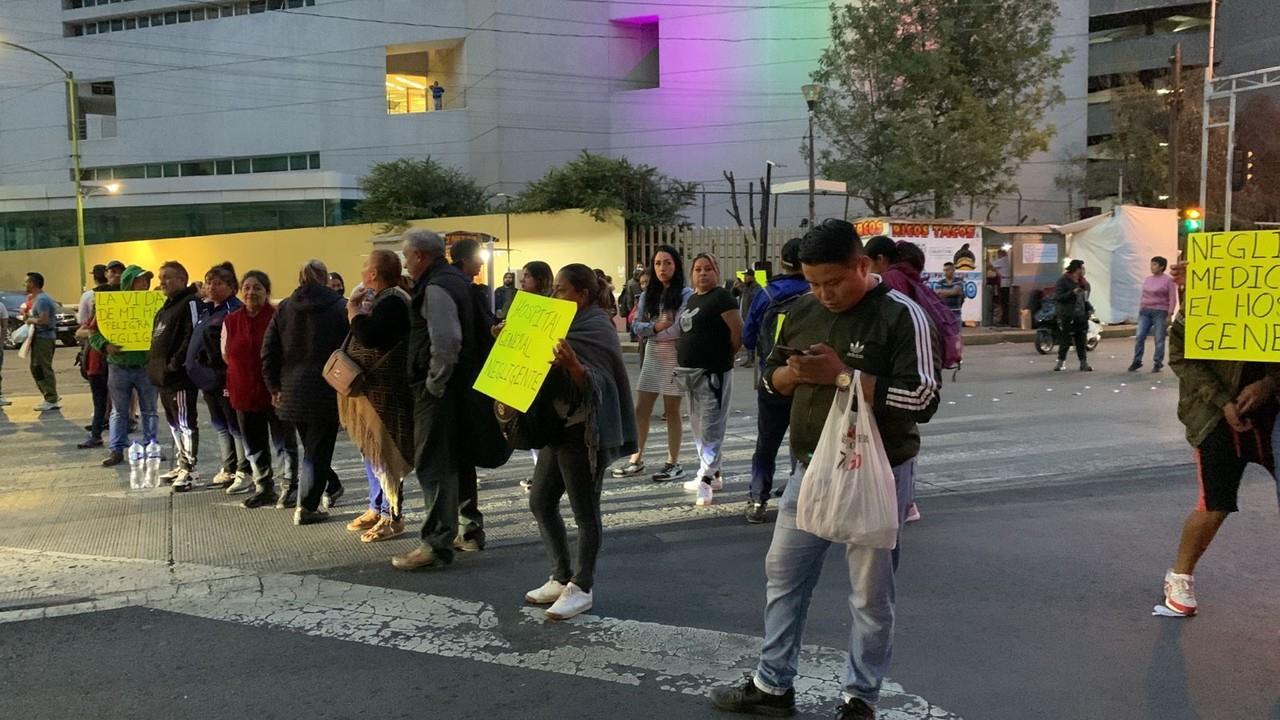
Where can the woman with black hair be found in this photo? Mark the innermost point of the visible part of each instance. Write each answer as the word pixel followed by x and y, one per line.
pixel 590 393
pixel 656 321
pixel 208 370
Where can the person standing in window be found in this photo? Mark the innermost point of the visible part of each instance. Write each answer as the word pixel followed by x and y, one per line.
pixel 437 95
pixel 657 315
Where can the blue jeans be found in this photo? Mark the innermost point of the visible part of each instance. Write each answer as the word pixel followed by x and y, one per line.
pixel 121 383
pixel 793 566
pixel 1149 320
pixel 378 501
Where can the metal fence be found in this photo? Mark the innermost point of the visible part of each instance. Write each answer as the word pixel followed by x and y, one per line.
pixel 736 248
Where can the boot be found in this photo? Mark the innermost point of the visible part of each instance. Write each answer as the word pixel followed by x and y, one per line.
pixel 1062 365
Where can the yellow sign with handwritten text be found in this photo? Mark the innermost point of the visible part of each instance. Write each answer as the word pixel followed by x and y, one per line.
pixel 1232 303
pixel 521 356
pixel 125 317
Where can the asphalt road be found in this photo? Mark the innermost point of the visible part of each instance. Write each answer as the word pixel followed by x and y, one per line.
pixel 1051 506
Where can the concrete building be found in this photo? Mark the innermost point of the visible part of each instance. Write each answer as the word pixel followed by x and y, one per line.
pixel 238 115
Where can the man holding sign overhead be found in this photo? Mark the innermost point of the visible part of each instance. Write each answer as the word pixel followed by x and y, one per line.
pixel 124 335
pixel 1225 350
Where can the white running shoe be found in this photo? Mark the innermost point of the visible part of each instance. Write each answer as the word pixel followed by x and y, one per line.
pixel 573 601
pixel 550 592
pixel 46 405
pixel 1180 593
pixel 242 485
pixel 913 513
pixel 692 485
pixel 705 496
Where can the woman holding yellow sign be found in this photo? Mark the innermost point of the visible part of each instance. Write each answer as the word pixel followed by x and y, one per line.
pixel 589 391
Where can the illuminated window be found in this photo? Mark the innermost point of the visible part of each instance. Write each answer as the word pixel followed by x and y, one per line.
pixel 407 82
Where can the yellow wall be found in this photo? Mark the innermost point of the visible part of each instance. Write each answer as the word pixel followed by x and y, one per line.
pixel 557 238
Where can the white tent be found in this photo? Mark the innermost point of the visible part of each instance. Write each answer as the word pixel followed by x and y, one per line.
pixel 1117 248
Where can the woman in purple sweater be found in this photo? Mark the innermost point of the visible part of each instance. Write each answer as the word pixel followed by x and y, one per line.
pixel 1159 301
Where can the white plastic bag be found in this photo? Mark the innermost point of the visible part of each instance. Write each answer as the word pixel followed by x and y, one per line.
pixel 25 349
pixel 848 494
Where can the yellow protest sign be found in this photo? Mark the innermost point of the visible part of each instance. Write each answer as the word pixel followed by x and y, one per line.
pixel 1232 303
pixel 521 356
pixel 125 316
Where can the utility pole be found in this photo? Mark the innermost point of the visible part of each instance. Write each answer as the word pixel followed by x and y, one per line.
pixel 1175 120
pixel 1204 109
pixel 765 204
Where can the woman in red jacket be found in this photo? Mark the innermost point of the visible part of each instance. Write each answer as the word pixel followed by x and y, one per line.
pixel 242 334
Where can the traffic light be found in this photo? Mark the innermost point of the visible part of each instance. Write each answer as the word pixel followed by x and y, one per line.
pixel 1192 219
pixel 1241 168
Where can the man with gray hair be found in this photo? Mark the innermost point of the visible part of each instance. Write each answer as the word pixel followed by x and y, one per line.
pixel 444 361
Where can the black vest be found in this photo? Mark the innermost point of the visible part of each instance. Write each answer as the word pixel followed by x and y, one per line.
pixel 452 281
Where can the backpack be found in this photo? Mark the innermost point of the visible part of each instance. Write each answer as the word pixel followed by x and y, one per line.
pixel 945 323
pixel 775 313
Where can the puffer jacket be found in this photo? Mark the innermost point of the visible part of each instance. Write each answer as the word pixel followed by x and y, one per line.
pixel 307 327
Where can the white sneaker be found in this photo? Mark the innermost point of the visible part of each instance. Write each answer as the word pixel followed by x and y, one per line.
pixel 4 401
pixel 550 592
pixel 705 496
pixel 913 513
pixel 692 485
pixel 183 482
pixel 222 478
pixel 46 405
pixel 241 485
pixel 573 601
pixel 1180 593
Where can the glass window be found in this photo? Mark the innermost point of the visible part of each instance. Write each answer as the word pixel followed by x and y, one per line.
pixel 228 11
pixel 144 21
pixel 257 6
pixel 277 163
pixel 130 172
pixel 314 159
pixel 201 167
pixel 171 169
pixel 155 171
pixel 297 162
pixel 243 165
pixel 184 16
pixel 170 18
pixel 117 25
pixel 223 167
pixel 104 27
pixel 90 29
pixel 130 24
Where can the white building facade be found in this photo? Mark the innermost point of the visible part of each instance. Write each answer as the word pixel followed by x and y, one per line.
pixel 236 115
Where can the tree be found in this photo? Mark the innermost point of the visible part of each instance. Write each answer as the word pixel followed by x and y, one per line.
pixel 1137 147
pixel 928 101
pixel 408 189
pixel 602 186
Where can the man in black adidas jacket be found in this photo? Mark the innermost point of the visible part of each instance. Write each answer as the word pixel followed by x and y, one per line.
pixel 851 321
pixel 166 369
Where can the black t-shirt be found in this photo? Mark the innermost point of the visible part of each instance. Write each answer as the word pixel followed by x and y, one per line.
pixel 704 337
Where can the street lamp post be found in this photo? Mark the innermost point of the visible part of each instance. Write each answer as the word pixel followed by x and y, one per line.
pixel 811 94
pixel 506 209
pixel 73 133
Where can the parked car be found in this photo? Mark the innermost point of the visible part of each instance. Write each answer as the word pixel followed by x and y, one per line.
pixel 15 301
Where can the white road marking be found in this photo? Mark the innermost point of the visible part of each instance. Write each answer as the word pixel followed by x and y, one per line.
pixel 683 660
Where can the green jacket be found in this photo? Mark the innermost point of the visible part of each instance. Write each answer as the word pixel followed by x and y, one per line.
pixel 886 335
pixel 99 342
pixel 1205 386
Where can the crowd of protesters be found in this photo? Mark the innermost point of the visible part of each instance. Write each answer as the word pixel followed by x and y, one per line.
pixel 854 319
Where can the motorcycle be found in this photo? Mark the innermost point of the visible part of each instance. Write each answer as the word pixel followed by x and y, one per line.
pixel 1044 320
pixel 1046 337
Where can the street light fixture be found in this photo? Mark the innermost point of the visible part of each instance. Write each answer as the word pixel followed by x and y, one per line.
pixel 812 93
pixel 506 205
pixel 73 134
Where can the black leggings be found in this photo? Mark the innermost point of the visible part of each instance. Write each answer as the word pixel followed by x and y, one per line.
pixel 565 468
pixel 1073 332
